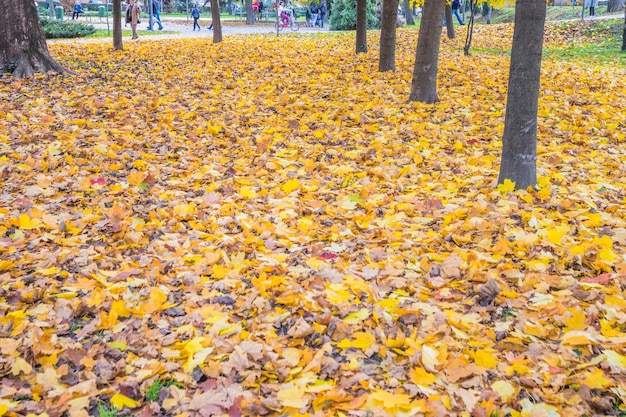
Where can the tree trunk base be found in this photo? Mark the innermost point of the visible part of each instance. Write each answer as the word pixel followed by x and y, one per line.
pixel 26 66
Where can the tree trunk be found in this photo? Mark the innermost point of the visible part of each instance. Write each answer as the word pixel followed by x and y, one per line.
pixel 489 15
pixel 624 34
pixel 23 48
pixel 424 84
pixel 216 22
pixel 519 142
pixel 117 25
pixel 449 22
pixel 361 26
pixel 387 58
pixel 408 13
pixel 614 6
pixel 249 13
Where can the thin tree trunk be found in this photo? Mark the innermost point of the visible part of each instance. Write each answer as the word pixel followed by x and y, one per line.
pixel 408 13
pixel 387 58
pixel 449 22
pixel 216 22
pixel 470 29
pixel 361 26
pixel 117 25
pixel 519 142
pixel 23 48
pixel 249 13
pixel 424 83
pixel 624 33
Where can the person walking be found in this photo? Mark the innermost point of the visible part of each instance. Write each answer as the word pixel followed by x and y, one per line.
pixel 132 16
pixel 322 14
pixel 314 14
pixel 592 7
pixel 195 13
pixel 78 9
pixel 456 4
pixel 156 9
pixel 261 6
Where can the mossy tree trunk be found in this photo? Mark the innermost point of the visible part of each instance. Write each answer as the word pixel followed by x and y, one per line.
pixel 519 142
pixel 23 48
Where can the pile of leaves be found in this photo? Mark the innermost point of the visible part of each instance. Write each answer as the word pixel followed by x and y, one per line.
pixel 265 226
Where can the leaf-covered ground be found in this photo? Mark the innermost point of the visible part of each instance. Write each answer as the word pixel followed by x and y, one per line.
pixel 266 227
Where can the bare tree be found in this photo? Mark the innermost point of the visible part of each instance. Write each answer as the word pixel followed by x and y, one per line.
pixel 424 83
pixel 361 26
pixel 519 142
pixel 216 22
pixel 387 56
pixel 117 25
pixel 23 48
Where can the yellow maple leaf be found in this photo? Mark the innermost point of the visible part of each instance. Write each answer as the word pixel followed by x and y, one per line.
pixel 596 379
pixel 247 192
pixel 291 185
pixel 485 359
pixel 577 320
pixel 136 178
pixel 504 389
pixel 420 376
pixel 555 235
pixel 120 401
pixel 506 186
pixel 293 396
pixel 28 223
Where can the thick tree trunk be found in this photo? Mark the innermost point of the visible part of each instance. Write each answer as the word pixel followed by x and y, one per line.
pixel 23 48
pixel 614 6
pixel 117 25
pixel 387 58
pixel 216 22
pixel 424 84
pixel 449 22
pixel 408 13
pixel 249 13
pixel 361 26
pixel 519 142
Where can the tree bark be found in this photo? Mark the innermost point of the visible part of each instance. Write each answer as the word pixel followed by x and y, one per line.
pixel 519 142
pixel 361 26
pixel 23 48
pixel 449 22
pixel 249 13
pixel 624 33
pixel 216 22
pixel 424 83
pixel 117 26
pixel 387 58
pixel 408 13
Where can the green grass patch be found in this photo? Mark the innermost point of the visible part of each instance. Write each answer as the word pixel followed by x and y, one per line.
pixel 598 41
pixel 103 33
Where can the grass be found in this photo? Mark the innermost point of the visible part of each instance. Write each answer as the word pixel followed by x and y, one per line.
pixel 103 33
pixel 605 44
pixel 106 410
